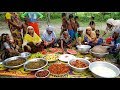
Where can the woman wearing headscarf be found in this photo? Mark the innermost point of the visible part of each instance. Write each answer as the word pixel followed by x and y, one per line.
pixel 49 37
pixel 32 42
pixel 15 26
pixel 112 25
pixel 91 39
pixel 114 46
pixel 32 18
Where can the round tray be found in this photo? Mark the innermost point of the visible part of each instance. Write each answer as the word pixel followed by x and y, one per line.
pixel 60 75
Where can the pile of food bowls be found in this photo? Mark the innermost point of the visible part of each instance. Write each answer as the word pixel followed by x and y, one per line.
pixel 83 48
pixel 102 69
pixel 79 64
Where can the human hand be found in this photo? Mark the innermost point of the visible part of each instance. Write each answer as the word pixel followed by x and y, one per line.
pixel 37 44
pixel 46 43
pixel 29 48
pixel 69 45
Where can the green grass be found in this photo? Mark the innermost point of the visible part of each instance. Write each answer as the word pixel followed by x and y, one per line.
pixel 56 21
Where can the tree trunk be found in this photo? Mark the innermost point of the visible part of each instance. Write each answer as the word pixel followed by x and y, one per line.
pixel 48 18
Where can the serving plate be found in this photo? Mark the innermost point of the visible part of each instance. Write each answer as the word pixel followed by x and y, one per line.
pixel 66 57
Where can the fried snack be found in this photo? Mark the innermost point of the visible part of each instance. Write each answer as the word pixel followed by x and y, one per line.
pixel 58 68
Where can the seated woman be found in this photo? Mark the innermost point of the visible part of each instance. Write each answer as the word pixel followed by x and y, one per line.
pixel 91 39
pixel 79 36
pixel 65 41
pixel 115 42
pixel 49 37
pixel 32 42
pixel 8 48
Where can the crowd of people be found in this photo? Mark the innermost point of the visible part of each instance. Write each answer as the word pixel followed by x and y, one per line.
pixel 26 35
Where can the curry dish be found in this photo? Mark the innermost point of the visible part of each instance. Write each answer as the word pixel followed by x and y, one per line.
pixel 36 64
pixel 15 62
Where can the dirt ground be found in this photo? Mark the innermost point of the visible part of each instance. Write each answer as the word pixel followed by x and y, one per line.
pixel 42 25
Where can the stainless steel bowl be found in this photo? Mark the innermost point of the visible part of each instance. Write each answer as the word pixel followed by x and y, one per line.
pixel 40 71
pixel 11 59
pixel 35 60
pixel 25 54
pixel 99 55
pixel 107 47
pixel 78 69
pixel 83 48
pixel 103 64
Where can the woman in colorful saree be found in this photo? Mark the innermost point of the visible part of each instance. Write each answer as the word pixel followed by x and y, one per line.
pixel 32 18
pixel 15 26
pixel 91 39
pixel 32 42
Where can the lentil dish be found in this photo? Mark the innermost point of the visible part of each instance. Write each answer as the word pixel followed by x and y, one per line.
pixel 35 64
pixel 15 62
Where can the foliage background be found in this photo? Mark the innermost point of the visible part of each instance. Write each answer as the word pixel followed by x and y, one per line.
pixel 83 16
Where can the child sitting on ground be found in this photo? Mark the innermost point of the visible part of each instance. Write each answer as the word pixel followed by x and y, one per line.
pixel 65 41
pixel 79 36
